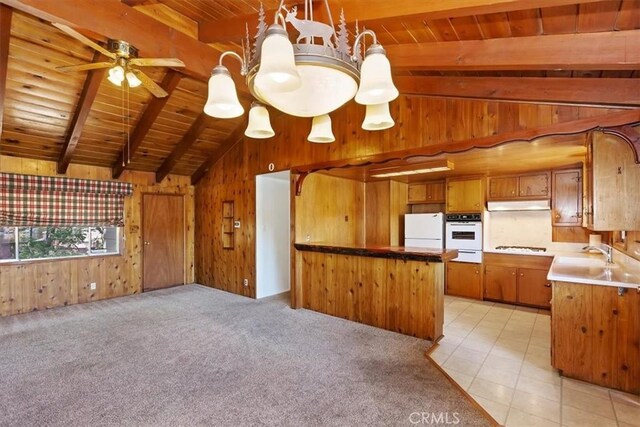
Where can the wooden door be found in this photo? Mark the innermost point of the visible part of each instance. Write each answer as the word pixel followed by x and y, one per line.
pixel 464 196
pixel 417 193
pixel 500 283
pixel 567 197
pixel 435 192
pixel 533 287
pixel 534 185
pixel 503 187
pixel 163 231
pixel 572 334
pixel 464 280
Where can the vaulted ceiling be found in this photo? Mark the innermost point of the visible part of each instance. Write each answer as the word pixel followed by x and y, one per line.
pixel 566 52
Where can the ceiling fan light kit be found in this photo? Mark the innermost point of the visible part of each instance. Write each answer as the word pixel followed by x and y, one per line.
pixel 307 79
pixel 124 60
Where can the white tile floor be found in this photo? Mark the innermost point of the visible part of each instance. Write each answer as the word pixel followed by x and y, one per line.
pixel 500 355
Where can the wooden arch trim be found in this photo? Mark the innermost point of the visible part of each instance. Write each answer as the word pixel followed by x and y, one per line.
pixel 618 124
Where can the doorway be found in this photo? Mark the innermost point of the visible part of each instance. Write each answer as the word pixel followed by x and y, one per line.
pixel 273 234
pixel 163 236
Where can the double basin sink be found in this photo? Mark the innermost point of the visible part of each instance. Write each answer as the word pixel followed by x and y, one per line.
pixel 593 270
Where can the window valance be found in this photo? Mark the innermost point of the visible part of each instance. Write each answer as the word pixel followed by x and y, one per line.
pixel 28 200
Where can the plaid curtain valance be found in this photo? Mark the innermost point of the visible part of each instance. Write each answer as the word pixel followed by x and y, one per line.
pixel 28 200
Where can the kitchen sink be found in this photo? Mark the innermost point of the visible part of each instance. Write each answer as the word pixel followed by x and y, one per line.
pixel 587 261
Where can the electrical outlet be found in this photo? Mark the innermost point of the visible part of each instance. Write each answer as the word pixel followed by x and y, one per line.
pixel 93 286
pixel 308 237
pixel 246 282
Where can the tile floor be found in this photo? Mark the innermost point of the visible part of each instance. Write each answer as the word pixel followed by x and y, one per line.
pixel 500 355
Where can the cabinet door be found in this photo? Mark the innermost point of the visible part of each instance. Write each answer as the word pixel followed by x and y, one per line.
pixel 435 192
pixel 503 187
pixel 533 287
pixel 417 193
pixel 500 283
pixel 465 196
pixel 567 198
pixel 571 325
pixel 534 185
pixel 464 280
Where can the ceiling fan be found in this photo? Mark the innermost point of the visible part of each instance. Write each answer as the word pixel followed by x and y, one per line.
pixel 124 59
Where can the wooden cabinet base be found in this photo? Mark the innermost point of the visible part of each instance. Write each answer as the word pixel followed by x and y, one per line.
pixel 596 335
pixel 401 296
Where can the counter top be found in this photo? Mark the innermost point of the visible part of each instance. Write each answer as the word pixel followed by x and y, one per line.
pixel 375 251
pixel 591 269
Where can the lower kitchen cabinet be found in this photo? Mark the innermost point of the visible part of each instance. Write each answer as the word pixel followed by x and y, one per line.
pixel 533 287
pixel 595 334
pixel 500 283
pixel 517 279
pixel 464 279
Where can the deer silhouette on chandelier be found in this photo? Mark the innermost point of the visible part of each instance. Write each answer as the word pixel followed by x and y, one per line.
pixel 308 28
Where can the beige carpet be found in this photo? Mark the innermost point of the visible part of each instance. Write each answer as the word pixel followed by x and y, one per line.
pixel 197 356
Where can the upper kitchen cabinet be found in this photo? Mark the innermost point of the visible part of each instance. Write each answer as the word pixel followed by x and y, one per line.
pixel 518 187
pixel 611 179
pixel 465 195
pixel 427 192
pixel 567 198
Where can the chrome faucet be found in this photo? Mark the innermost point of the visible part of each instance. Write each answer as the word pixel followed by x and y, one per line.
pixel 608 252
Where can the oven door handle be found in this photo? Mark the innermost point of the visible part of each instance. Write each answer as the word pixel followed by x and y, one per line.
pixel 463 224
pixel 467 252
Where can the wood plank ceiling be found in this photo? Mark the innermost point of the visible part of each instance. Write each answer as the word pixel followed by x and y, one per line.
pixel 39 105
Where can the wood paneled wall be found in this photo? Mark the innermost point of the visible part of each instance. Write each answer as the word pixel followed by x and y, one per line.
pixel 420 122
pixel 330 210
pixel 385 207
pixel 39 285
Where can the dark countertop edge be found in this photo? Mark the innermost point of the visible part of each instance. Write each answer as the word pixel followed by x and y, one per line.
pixel 380 252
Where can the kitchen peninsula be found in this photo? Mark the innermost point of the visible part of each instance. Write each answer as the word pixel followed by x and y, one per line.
pixel 395 288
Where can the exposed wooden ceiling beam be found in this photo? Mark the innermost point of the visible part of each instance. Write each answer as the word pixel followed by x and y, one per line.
pixel 5 34
pixel 115 20
pixel 615 50
pixel 228 144
pixel 80 115
pixel 151 113
pixel 380 11
pixel 198 126
pixel 619 92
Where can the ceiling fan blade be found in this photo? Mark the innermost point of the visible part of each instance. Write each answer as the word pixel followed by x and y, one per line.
pixel 156 62
pixel 151 86
pixel 76 35
pixel 83 67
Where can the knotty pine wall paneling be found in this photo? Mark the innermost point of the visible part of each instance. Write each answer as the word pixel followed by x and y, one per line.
pixel 39 285
pixel 420 122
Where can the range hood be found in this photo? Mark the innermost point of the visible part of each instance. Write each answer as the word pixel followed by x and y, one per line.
pixel 519 205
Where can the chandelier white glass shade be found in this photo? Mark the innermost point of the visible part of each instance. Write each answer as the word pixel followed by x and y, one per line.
pixel 259 126
pixel 132 79
pixel 321 130
pixel 222 101
pixel 376 85
pixel 377 117
pixel 277 72
pixel 314 77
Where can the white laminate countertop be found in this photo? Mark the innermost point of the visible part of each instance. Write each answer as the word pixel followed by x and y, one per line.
pixel 591 269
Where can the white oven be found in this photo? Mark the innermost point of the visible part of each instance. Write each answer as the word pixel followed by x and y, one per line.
pixel 464 233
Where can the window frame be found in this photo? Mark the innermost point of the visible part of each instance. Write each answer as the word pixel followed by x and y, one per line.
pixel 17 260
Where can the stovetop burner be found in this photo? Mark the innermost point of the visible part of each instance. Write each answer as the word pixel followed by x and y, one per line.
pixel 520 249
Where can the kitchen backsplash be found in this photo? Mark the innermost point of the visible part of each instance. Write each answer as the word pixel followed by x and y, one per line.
pixel 517 228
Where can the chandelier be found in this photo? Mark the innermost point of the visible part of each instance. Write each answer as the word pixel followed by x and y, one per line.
pixel 312 77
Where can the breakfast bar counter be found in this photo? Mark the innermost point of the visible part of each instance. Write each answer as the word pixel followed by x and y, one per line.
pixel 395 288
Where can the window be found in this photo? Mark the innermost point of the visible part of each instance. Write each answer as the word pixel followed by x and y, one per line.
pixel 29 243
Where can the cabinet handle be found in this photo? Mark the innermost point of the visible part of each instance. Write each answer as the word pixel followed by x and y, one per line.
pixel 477 272
pixel 558 216
pixel 548 285
pixel 521 274
pixel 513 274
pixel 513 192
